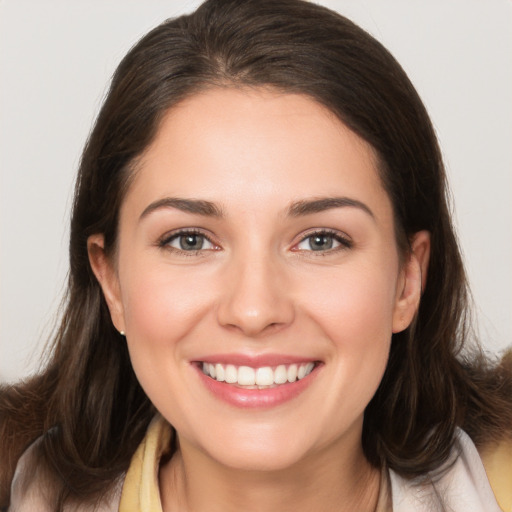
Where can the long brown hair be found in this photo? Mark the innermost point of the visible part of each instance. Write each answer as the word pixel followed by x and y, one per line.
pixel 88 405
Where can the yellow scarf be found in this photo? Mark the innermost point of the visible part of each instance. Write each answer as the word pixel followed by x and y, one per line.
pixel 140 490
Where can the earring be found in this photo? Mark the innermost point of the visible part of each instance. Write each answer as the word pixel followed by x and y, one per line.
pixel 122 333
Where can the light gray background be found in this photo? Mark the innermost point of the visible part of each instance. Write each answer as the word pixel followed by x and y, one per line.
pixel 56 57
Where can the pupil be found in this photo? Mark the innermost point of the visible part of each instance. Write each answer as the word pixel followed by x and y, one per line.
pixel 191 242
pixel 320 242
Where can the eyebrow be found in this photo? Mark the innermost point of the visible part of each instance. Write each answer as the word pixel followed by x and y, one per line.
pixel 196 206
pixel 308 207
pixel 296 209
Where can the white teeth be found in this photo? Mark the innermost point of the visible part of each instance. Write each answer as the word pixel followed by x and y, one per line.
pixel 257 378
pixel 246 376
pixel 219 371
pixel 280 374
pixel 292 373
pixel 264 376
pixel 230 374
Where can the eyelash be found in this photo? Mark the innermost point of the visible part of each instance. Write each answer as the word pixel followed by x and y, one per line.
pixel 345 243
pixel 164 242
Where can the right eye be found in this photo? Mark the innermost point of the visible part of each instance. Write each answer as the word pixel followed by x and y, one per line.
pixel 188 241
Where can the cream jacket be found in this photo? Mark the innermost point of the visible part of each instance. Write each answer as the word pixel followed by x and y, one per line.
pixel 467 486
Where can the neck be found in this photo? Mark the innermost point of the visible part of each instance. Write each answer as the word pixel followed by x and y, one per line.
pixel 334 481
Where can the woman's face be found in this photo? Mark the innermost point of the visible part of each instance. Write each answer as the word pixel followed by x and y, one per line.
pixel 257 277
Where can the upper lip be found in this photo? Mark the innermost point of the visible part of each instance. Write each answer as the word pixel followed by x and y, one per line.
pixel 254 361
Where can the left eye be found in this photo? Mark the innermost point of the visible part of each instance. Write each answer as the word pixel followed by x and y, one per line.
pixel 189 242
pixel 321 242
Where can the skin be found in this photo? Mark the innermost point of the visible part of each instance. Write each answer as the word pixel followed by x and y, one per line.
pixel 257 288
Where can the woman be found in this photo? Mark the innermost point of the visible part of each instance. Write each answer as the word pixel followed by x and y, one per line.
pixel 259 210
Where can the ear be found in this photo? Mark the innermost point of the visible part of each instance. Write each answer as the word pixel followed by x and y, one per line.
pixel 412 281
pixel 108 279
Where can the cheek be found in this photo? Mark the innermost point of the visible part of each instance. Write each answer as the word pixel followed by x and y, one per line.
pixel 354 309
pixel 356 316
pixel 161 307
pixel 353 305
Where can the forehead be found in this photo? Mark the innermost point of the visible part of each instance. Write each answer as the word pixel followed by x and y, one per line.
pixel 226 144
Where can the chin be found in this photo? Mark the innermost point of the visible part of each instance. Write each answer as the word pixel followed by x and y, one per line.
pixel 255 452
pixel 258 460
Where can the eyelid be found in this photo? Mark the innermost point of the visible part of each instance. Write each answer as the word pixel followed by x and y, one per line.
pixel 343 239
pixel 164 240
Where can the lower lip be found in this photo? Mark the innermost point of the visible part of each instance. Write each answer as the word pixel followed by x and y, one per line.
pixel 256 398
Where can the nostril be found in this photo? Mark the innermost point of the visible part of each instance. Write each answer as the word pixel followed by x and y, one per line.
pixel 255 301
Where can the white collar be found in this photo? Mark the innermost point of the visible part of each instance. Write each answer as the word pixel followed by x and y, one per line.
pixel 462 487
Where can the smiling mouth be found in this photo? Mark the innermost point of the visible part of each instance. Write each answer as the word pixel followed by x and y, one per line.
pixel 264 377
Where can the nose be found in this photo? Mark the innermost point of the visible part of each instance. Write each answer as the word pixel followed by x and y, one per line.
pixel 256 299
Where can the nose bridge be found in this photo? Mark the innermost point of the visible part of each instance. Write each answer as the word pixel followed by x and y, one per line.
pixel 255 296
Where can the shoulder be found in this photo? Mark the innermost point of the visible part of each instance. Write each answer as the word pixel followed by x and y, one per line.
pixel 461 485
pixel 35 488
pixel 31 485
pixel 497 460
